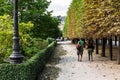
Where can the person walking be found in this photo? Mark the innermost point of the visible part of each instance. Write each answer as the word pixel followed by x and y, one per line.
pixel 80 49
pixel 90 47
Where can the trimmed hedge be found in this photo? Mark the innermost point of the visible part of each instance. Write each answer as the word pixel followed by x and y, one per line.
pixel 29 69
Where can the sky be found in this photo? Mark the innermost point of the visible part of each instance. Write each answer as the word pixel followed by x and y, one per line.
pixel 59 7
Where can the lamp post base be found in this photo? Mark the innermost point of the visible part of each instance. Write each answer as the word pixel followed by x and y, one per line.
pixel 16 58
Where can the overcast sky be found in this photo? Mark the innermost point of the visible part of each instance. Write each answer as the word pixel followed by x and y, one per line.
pixel 59 7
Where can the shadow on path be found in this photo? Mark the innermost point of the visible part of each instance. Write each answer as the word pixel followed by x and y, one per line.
pixel 51 72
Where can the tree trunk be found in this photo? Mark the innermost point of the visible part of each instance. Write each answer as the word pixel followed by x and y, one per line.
pixel 103 47
pixel 96 46
pixel 110 48
pixel 119 52
pixel 115 40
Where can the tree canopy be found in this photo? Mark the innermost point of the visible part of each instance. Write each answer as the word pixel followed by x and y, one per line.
pixel 93 18
pixel 36 12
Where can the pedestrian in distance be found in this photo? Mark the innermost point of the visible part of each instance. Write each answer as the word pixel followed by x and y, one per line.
pixel 80 49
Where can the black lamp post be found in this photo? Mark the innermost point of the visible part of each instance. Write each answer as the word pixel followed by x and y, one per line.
pixel 16 57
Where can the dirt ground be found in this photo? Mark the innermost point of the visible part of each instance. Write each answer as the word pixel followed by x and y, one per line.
pixel 64 65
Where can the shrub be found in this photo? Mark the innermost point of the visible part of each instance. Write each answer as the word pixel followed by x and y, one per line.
pixel 29 46
pixel 35 46
pixel 29 69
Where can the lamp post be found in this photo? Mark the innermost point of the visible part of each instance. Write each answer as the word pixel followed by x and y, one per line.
pixel 16 57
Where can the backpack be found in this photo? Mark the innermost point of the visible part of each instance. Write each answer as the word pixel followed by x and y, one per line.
pixel 78 46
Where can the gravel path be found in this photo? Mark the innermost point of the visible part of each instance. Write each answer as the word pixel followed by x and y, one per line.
pixel 100 69
pixel 64 66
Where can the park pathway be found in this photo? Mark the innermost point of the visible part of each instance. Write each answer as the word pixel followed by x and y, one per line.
pixel 68 68
pixel 100 69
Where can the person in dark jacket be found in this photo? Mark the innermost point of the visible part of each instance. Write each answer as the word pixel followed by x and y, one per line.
pixel 90 47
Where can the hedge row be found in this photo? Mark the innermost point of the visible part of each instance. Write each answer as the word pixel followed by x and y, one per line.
pixel 29 69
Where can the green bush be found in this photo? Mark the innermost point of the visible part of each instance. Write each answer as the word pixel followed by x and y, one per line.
pixel 35 46
pixel 6 35
pixel 29 46
pixel 29 69
pixel 50 40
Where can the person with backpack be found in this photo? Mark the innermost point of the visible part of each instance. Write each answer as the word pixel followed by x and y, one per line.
pixel 80 49
pixel 90 47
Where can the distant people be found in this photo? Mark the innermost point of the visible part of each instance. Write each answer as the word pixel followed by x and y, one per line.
pixel 80 48
pixel 90 47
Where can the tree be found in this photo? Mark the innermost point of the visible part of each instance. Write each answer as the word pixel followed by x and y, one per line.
pixel 73 24
pixel 95 18
pixel 101 16
pixel 36 12
pixel 48 27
